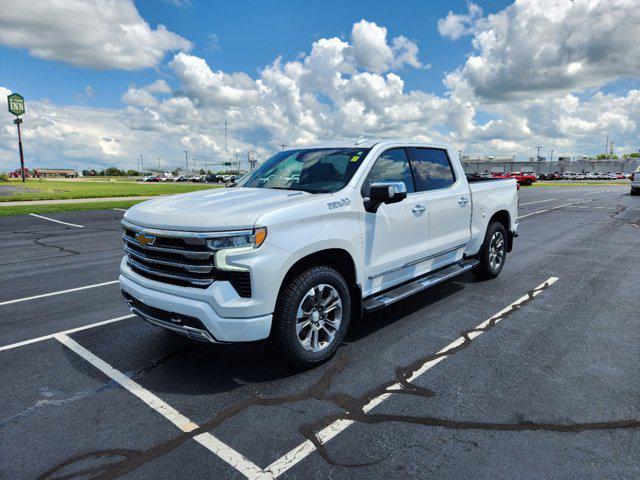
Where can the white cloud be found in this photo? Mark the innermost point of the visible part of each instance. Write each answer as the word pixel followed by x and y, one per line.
pixel 547 46
pixel 100 34
pixel 455 25
pixel 372 52
pixel 332 92
pixel 159 86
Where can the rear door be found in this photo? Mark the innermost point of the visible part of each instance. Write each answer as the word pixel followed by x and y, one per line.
pixel 448 204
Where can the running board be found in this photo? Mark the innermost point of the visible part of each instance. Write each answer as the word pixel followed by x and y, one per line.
pixel 382 300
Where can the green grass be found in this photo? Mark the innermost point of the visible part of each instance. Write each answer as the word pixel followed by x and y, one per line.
pixel 35 189
pixel 65 207
pixel 579 184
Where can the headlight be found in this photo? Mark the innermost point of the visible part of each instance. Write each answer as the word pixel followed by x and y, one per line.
pixel 250 238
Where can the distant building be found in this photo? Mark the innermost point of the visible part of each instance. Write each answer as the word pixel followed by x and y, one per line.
pixel 55 172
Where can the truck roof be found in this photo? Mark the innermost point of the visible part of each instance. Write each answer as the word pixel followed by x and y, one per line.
pixel 369 143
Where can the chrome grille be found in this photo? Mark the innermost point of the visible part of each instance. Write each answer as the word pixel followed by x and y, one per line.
pixel 178 258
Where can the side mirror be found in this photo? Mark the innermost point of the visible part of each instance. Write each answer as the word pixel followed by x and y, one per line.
pixel 384 192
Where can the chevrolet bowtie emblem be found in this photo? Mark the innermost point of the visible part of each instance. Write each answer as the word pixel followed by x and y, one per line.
pixel 144 239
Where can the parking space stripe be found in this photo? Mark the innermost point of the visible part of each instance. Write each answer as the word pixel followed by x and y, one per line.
pixel 553 208
pixel 64 332
pixel 539 201
pixel 304 449
pixel 60 292
pixel 211 443
pixel 57 221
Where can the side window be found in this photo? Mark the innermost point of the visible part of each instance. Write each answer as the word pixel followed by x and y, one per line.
pixel 432 169
pixel 391 166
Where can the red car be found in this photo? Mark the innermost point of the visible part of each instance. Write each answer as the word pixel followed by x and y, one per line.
pixel 520 177
pixel 524 178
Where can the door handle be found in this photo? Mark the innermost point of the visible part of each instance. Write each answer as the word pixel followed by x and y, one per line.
pixel 462 201
pixel 419 208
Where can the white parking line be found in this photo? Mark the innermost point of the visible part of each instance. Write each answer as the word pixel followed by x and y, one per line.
pixel 539 201
pixel 211 443
pixel 60 292
pixel 57 221
pixel 121 209
pixel 301 451
pixel 64 332
pixel 553 208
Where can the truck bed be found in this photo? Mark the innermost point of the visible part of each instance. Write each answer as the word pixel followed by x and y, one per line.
pixel 490 195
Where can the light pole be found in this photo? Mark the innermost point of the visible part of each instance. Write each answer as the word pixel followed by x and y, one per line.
pixel 186 161
pixel 538 154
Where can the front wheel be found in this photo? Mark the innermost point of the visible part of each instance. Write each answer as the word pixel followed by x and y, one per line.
pixel 492 253
pixel 311 316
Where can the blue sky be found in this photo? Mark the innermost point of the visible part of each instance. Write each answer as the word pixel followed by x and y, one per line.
pixel 248 42
pixel 106 82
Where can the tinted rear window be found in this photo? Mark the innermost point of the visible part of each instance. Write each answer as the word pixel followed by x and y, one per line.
pixel 431 169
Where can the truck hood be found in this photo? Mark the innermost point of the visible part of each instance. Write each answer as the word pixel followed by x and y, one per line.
pixel 214 209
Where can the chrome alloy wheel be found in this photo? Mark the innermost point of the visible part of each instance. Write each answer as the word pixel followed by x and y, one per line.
pixel 318 318
pixel 496 250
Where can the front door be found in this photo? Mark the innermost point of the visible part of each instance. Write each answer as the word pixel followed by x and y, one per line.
pixel 395 237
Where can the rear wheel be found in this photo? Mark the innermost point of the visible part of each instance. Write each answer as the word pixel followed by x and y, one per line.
pixel 311 317
pixel 635 191
pixel 492 253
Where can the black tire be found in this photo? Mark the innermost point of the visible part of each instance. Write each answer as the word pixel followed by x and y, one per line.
pixel 487 269
pixel 635 191
pixel 285 318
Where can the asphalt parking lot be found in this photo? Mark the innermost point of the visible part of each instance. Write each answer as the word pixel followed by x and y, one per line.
pixel 532 375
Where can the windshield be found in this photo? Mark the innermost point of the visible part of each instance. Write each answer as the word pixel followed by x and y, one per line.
pixel 316 170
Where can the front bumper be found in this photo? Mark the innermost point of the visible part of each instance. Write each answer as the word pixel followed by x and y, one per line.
pixel 177 313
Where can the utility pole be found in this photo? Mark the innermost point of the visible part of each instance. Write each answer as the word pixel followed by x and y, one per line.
pixel 238 162
pixel 606 147
pixel 141 164
pixel 186 160
pixel 538 154
pixel 283 145
pixel 551 155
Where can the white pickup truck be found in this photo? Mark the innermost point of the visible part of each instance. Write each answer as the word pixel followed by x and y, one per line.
pixel 311 238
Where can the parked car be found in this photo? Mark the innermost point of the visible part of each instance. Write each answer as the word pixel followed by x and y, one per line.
pixel 366 225
pixel 523 178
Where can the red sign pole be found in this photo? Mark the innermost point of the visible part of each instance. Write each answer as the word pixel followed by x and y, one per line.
pixel 18 121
